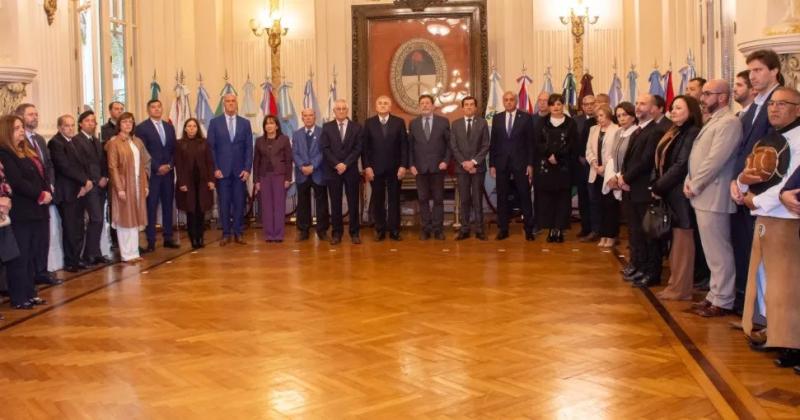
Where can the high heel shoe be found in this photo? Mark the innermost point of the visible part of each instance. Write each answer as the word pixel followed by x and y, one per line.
pixel 559 236
pixel 26 306
pixel 551 236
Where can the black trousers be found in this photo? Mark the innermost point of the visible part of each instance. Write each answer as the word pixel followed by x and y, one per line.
pixel 431 187
pixel 304 206
pixel 385 202
pixel 196 219
pixel 581 174
pixel 609 219
pixel 73 229
pixel 470 192
pixel 95 200
pixel 347 183
pixel 742 227
pixel 522 189
pixel 31 236
pixel 646 253
pixel 554 208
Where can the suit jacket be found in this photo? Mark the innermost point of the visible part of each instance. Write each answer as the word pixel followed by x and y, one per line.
pixel 384 154
pixel 231 157
pixel 27 186
pixel 712 161
pixel 669 184
pixel 514 152
pixel 279 155
pixel 336 150
pixel 591 148
pixel 476 147
pixel 160 154
pixel 72 168
pixel 95 156
pixel 194 168
pixel 584 124
pixel 107 131
pixel 426 154
pixel 305 152
pixel 665 123
pixel 752 131
pixel 637 167
pixel 44 157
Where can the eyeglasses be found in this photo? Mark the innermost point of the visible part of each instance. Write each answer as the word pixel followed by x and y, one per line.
pixel 781 104
pixel 709 93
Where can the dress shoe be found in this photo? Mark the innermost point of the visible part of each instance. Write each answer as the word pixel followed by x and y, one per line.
pixel 102 260
pixel 633 276
pixel 239 240
pixel 461 235
pixel 761 347
pixel 322 236
pixel 380 236
pixel 72 269
pixel 38 301
pixel 302 236
pixel 424 235
pixel 629 269
pixel 150 248
pixel 646 281
pixel 481 236
pixel 503 234
pixel 81 266
pixel 356 240
pixel 559 236
pixel 530 236
pixel 439 235
pixel 712 311
pixel 705 303
pixel 171 244
pixel 336 239
pixel 395 236
pixel 26 305
pixel 224 241
pixel 50 281
pixel 788 358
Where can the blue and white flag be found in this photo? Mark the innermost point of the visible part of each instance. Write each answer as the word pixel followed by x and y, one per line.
pixel 331 98
pixel 310 100
pixel 655 83
pixel 615 91
pixel 633 91
pixel 286 113
pixel 180 111
pixel 494 104
pixel 203 108
pixel 570 91
pixel 248 106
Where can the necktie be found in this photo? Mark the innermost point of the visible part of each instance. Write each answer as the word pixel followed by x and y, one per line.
pixel 231 127
pixel 383 127
pixel 469 127
pixel 160 128
pixel 35 145
pixel 426 126
pixel 636 132
pixel 509 123
pixel 309 139
pixel 341 130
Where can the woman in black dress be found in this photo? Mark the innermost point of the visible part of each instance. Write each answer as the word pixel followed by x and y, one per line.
pixel 194 187
pixel 555 143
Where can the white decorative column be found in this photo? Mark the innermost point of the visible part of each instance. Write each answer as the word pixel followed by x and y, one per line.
pixel 13 81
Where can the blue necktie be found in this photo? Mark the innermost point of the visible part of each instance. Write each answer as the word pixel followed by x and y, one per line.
pixel 231 127
pixel 309 139
pixel 160 129
pixel 509 122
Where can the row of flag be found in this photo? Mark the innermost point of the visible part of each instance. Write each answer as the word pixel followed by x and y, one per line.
pixel 274 102
pixel 660 84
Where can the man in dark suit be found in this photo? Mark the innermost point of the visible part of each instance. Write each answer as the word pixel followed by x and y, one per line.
pixel 580 170
pixel 231 141
pixel 308 161
pixel 72 185
pixel 634 179
pixel 30 118
pixel 109 129
pixel 511 159
pixel 469 141
pixel 660 116
pixel 429 155
pixel 765 77
pixel 341 148
pixel 385 159
pixel 158 137
pixel 92 150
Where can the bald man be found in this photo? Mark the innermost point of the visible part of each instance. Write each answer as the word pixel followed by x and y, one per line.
pixel 231 141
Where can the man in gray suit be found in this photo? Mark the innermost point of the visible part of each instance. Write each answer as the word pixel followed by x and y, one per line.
pixel 30 118
pixel 711 164
pixel 469 140
pixel 429 155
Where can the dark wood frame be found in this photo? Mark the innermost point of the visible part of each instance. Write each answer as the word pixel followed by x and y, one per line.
pixel 479 45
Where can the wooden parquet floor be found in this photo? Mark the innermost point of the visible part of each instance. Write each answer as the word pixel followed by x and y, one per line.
pixel 424 330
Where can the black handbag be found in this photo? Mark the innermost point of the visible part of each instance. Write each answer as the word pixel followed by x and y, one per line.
pixel 8 244
pixel 657 222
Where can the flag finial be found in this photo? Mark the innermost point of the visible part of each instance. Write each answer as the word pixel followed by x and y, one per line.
pixel 154 75
pixel 200 77
pixel 225 78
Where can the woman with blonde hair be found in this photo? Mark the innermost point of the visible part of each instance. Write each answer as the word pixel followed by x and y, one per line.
pixel 128 169
pixel 599 149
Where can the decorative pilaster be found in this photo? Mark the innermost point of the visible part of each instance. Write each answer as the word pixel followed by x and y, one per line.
pixel 13 83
